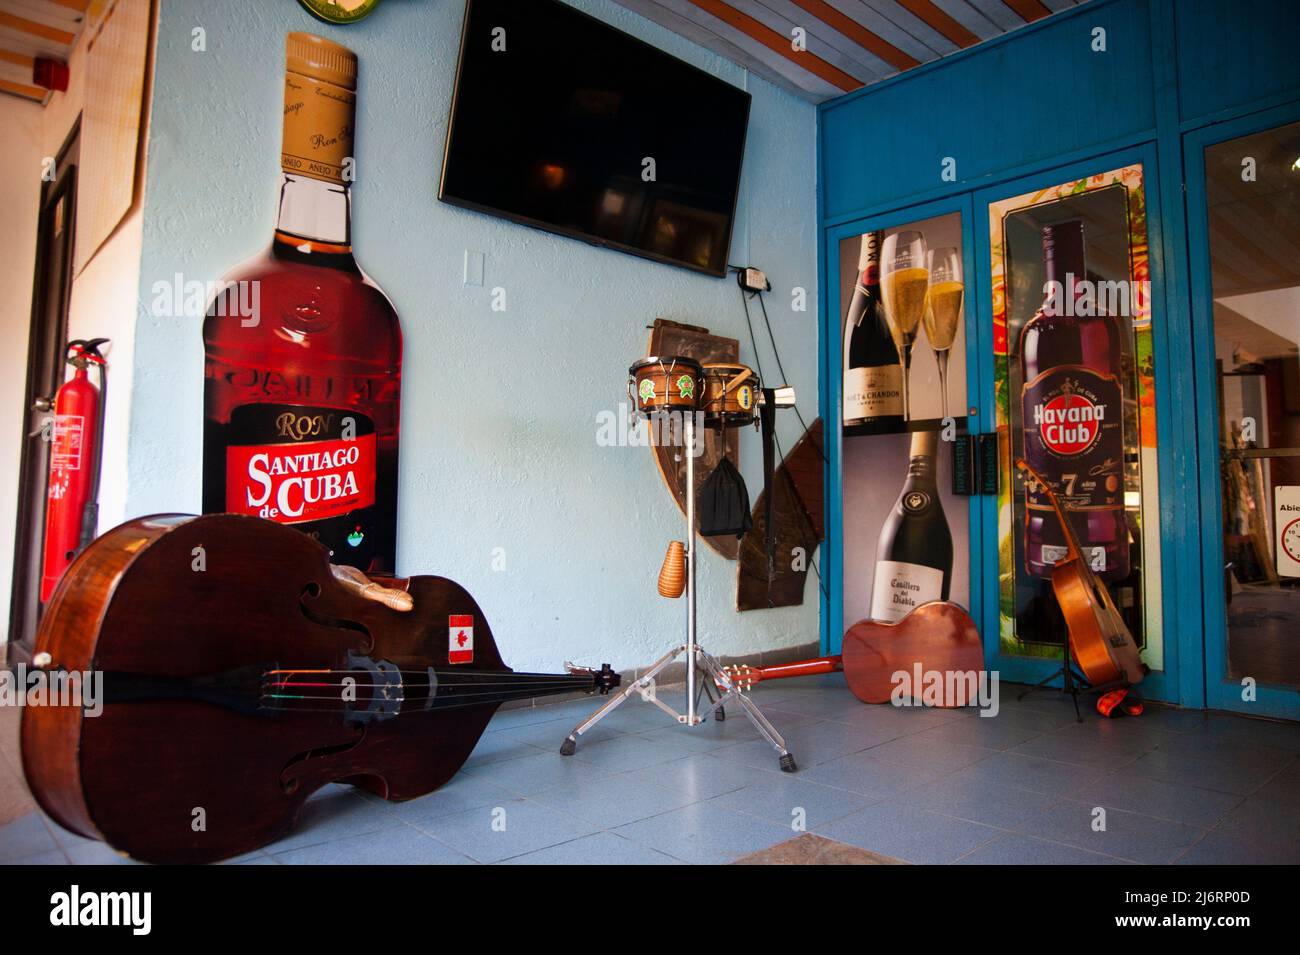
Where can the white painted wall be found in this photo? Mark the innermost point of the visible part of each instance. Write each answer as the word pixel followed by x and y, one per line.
pixel 484 462
pixel 20 194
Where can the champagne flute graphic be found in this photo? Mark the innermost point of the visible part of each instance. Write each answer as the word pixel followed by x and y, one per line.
pixel 904 278
pixel 943 309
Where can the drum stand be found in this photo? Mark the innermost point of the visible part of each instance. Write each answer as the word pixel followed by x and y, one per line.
pixel 701 668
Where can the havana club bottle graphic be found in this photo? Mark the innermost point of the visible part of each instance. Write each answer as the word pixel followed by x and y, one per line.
pixel 1072 414
pixel 301 397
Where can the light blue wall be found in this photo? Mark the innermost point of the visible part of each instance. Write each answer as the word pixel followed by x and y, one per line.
pixel 488 459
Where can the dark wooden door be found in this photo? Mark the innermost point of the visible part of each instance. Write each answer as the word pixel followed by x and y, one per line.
pixel 51 293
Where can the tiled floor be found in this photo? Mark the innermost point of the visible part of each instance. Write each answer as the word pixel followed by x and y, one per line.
pixel 924 786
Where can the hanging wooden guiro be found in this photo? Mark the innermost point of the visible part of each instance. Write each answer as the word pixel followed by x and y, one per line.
pixel 240 673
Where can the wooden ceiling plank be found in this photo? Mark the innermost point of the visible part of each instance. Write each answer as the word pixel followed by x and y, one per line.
pixel 970 16
pixel 46 14
pixel 931 42
pixel 832 38
pixel 24 25
pixel 999 13
pixel 778 44
pixel 34 93
pixel 21 42
pixel 815 45
pixel 1028 10
pixel 939 21
pixel 79 5
pixel 18 59
pixel 859 34
pixel 680 17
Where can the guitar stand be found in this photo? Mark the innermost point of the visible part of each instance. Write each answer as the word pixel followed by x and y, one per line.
pixel 701 668
pixel 1072 684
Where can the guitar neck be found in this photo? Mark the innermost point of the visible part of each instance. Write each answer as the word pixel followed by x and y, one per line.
pixel 1074 551
pixel 799 668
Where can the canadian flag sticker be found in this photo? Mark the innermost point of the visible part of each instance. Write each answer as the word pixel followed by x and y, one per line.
pixel 460 638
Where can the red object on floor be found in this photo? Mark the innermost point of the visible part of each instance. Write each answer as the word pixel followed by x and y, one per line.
pixel 1120 700
pixel 50 74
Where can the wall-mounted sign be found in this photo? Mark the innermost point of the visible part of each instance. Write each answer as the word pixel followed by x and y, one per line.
pixel 340 11
pixel 1286 502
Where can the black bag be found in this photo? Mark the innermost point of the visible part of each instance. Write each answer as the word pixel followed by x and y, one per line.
pixel 724 502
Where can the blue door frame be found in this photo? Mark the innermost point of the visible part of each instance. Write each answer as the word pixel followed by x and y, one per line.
pixel 832 615
pixel 1161 684
pixel 1221 693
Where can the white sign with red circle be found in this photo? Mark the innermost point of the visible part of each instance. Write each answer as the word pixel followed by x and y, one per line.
pixel 1286 518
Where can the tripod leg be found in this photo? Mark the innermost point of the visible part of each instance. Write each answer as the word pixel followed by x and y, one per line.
pixel 765 729
pixel 570 744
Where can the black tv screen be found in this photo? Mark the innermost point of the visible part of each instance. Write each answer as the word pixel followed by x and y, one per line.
pixel 561 122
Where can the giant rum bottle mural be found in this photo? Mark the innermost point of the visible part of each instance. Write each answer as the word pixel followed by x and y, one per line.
pixel 301 398
pixel 1075 389
pixel 1072 413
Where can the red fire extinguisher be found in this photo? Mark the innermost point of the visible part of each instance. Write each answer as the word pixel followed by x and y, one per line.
pixel 72 498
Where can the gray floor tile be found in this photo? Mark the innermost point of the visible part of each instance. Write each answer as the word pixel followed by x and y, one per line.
pixel 1178 802
pixel 612 801
pixel 501 745
pixel 52 857
pixel 532 774
pixel 1067 746
pixel 402 846
pixel 1015 849
pixel 627 752
pixel 810 743
pixel 787 799
pixel 601 848
pixel 915 754
pixel 1128 835
pixel 977 798
pixel 701 776
pixel 1265 822
pixel 461 792
pixel 1221 848
pixel 24 837
pixel 995 732
pixel 1212 771
pixel 910 834
pixel 1035 774
pixel 869 776
pixel 1256 732
pixel 705 834
pixel 516 827
pixel 334 815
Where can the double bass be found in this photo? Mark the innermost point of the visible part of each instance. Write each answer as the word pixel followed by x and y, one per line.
pixel 241 672
pixel 1099 639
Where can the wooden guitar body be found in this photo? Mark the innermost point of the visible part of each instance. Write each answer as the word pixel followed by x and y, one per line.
pixel 1100 641
pixel 939 638
pixel 226 645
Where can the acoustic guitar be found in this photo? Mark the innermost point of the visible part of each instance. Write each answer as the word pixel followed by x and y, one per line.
pixel 1099 639
pixel 938 637
pixel 937 642
pixel 241 672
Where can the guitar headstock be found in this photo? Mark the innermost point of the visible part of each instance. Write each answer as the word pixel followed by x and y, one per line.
pixel 744 676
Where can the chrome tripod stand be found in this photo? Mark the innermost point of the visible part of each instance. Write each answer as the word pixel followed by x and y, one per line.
pixel 701 668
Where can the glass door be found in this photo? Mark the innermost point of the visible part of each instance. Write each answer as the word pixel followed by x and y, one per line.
pixel 1244 226
pixel 904 282
pixel 1073 393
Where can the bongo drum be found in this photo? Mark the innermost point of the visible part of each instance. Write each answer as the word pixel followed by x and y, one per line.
pixel 668 383
pixel 730 395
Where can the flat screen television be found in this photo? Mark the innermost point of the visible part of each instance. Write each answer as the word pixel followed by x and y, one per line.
pixel 561 122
